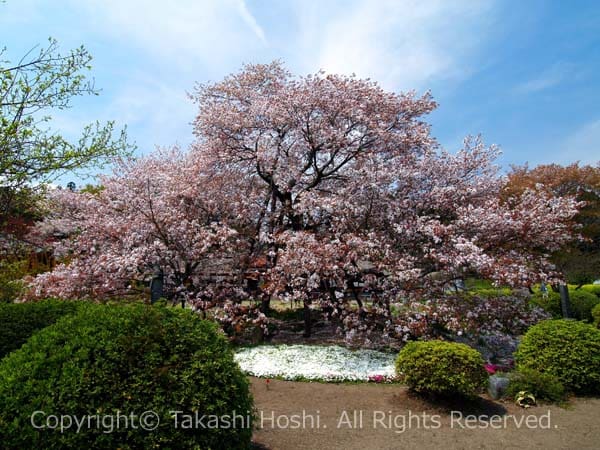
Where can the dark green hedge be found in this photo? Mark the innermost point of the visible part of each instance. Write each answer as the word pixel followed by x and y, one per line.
pixel 596 315
pixel 18 321
pixel 109 360
pixel 582 303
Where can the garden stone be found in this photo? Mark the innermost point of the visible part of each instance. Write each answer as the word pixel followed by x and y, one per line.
pixel 497 386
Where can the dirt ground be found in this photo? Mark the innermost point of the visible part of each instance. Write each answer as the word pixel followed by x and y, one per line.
pixel 319 416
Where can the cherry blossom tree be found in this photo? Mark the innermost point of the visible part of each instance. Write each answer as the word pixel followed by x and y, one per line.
pixel 356 191
pixel 335 185
pixel 151 213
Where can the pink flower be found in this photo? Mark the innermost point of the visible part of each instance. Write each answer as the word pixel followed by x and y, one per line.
pixel 491 368
pixel 377 378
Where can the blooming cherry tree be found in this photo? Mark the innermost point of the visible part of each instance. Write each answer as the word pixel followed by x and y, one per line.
pixel 151 213
pixel 333 183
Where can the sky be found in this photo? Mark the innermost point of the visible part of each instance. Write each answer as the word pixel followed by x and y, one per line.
pixel 523 74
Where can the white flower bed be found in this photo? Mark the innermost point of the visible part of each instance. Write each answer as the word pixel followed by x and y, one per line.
pixel 312 362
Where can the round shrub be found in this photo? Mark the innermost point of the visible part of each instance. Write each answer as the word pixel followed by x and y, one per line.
pixel 18 321
pixel 582 303
pixel 439 367
pixel 592 288
pixel 596 315
pixel 567 349
pixel 116 361
pixel 543 386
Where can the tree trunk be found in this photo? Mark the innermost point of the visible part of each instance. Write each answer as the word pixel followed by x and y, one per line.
pixel 307 319
pixel 265 304
pixel 361 309
pixel 565 301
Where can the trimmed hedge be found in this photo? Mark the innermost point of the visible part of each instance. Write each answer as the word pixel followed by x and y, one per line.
pixel 596 315
pixel 592 289
pixel 582 303
pixel 567 349
pixel 18 321
pixel 439 367
pixel 111 360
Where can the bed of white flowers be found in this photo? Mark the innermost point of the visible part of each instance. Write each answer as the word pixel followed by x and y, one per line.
pixel 314 362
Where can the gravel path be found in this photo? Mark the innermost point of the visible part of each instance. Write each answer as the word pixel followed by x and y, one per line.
pixel 307 416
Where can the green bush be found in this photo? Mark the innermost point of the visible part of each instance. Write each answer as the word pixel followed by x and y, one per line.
pixel 567 349
pixel 440 367
pixel 10 279
pixel 115 361
pixel 18 321
pixel 550 304
pixel 582 303
pixel 491 292
pixel 543 386
pixel 596 315
pixel 592 289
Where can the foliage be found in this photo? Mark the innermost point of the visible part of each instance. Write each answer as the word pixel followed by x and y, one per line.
pixel 31 153
pixel 19 321
pixel 582 303
pixel 579 261
pixel 596 315
pixel 470 315
pixel 441 368
pixel 543 385
pixel 37 84
pixel 19 209
pixel 491 292
pixel 549 303
pixel 592 288
pixel 567 349
pixel 324 187
pixel 11 274
pixel 124 359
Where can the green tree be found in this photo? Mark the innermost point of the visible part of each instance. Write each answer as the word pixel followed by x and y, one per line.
pixel 32 153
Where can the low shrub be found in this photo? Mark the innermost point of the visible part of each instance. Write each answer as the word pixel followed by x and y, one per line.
pixel 18 321
pixel 491 292
pixel 582 303
pixel 596 315
pixel 567 349
pixel 440 367
pixel 111 360
pixel 544 386
pixel 592 289
pixel 549 303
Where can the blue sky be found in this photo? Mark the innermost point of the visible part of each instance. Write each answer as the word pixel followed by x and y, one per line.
pixel 524 74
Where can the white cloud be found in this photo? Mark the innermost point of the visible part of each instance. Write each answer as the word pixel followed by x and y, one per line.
pixel 251 21
pixel 183 34
pixel 548 78
pixel 403 45
pixel 148 53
